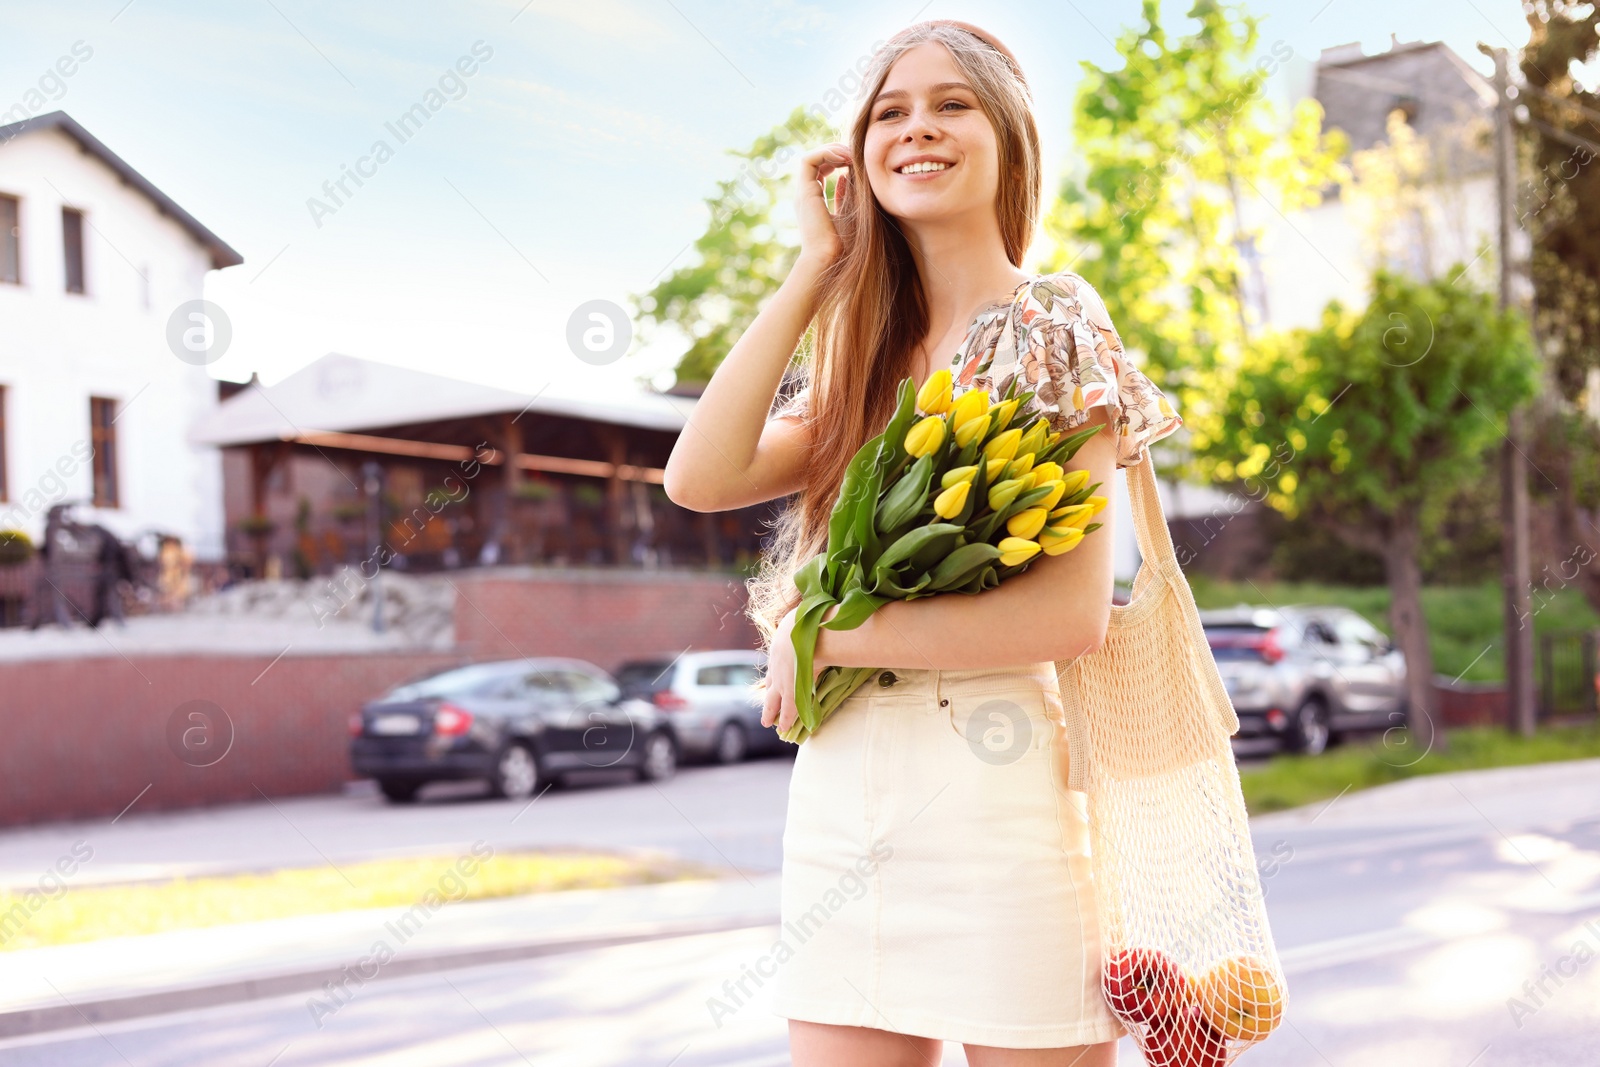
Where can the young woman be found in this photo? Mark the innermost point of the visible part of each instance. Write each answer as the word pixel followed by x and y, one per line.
pixel 936 883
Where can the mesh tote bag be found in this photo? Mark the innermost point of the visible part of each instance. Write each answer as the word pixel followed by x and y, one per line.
pixel 1190 967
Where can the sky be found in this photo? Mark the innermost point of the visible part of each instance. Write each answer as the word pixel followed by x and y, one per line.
pixel 571 165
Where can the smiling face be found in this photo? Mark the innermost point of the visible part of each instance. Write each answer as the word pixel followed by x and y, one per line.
pixel 930 149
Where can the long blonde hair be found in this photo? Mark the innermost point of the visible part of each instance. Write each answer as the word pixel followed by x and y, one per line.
pixel 871 308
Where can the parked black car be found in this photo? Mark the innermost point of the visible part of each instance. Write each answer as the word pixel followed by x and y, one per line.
pixel 519 724
pixel 712 699
pixel 1304 674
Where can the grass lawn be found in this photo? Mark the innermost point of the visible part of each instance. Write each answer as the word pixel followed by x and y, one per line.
pixel 90 912
pixel 1463 621
pixel 1290 781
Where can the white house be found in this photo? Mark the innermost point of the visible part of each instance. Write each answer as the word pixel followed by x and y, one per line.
pixel 97 266
pixel 1310 257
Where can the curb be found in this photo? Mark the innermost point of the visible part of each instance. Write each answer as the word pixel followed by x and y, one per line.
pixel 114 1009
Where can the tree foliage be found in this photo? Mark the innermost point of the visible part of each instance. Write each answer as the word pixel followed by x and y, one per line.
pixel 1378 413
pixel 1561 208
pixel 744 253
pixel 1171 145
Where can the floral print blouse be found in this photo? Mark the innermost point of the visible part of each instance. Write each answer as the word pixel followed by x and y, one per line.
pixel 1058 333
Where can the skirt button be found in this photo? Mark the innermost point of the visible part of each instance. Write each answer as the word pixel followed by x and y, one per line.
pixel 944 703
pixel 886 679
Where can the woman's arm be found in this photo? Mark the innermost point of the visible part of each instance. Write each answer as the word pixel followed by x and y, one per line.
pixel 729 455
pixel 1056 609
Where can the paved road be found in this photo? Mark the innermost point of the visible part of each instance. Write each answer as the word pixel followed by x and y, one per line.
pixel 725 816
pixel 1409 919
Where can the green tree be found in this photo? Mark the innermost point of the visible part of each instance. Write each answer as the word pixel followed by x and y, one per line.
pixel 1560 209
pixel 744 255
pixel 1171 145
pixel 1373 424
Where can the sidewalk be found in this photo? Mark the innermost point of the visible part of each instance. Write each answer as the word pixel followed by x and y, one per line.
pixel 117 978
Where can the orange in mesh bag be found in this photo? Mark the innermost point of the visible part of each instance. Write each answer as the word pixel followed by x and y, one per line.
pixel 1190 965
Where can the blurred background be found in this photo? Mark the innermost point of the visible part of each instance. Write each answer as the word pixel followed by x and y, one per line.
pixel 365 698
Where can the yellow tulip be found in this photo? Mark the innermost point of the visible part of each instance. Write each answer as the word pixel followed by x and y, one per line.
pixel 1027 522
pixel 925 436
pixel 992 469
pixel 1003 493
pixel 934 396
pixel 1046 472
pixel 948 504
pixel 1053 439
pixel 1058 488
pixel 1033 437
pixel 1003 413
pixel 1014 550
pixel 972 430
pixel 1076 480
pixel 1020 466
pixel 1004 445
pixel 1072 515
pixel 1055 540
pixel 957 474
pixel 968 406
pixel 1099 503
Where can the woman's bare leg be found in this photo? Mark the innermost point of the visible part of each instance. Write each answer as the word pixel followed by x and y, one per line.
pixel 1101 1055
pixel 826 1045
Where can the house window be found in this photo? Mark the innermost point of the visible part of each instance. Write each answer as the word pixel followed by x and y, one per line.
pixel 10 242
pixel 72 247
pixel 103 436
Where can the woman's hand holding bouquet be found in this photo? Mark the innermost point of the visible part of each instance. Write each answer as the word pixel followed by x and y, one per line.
pixel 953 501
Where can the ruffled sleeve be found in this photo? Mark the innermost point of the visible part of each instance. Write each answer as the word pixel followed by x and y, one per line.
pixel 1072 357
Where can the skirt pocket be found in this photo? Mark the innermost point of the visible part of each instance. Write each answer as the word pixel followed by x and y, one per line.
pixel 1003 728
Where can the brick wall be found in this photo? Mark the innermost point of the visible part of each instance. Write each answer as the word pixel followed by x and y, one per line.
pixel 84 737
pixel 1471 703
pixel 603 616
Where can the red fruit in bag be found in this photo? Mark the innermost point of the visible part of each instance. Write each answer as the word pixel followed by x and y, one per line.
pixel 1186 1039
pixel 1145 984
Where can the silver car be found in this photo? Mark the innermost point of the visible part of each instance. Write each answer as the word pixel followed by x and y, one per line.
pixel 1305 674
pixel 710 698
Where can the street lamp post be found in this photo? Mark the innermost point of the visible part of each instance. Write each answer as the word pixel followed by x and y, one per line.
pixel 372 474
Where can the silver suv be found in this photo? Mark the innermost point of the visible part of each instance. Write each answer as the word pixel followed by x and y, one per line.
pixel 710 698
pixel 1304 673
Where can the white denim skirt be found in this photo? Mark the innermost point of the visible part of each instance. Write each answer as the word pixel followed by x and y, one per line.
pixel 936 878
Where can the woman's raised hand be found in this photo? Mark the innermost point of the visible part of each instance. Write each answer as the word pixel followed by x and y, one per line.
pixel 819 237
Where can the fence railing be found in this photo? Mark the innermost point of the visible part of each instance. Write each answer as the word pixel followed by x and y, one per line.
pixel 1566 665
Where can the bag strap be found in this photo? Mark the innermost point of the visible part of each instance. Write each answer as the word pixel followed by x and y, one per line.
pixel 1149 522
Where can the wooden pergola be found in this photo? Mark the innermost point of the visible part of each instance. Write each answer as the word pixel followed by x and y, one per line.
pixel 483 450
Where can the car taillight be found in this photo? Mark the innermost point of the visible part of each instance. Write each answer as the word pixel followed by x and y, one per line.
pixel 357 725
pixel 451 721
pixel 667 700
pixel 1263 644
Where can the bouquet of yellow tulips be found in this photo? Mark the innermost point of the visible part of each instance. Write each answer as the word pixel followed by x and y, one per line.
pixel 949 498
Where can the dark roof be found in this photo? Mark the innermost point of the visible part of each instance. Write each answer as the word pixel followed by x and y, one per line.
pixel 1437 89
pixel 221 254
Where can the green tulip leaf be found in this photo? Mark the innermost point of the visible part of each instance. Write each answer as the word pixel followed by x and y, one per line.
pixel 958 565
pixel 905 499
pixel 907 546
pixel 856 607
